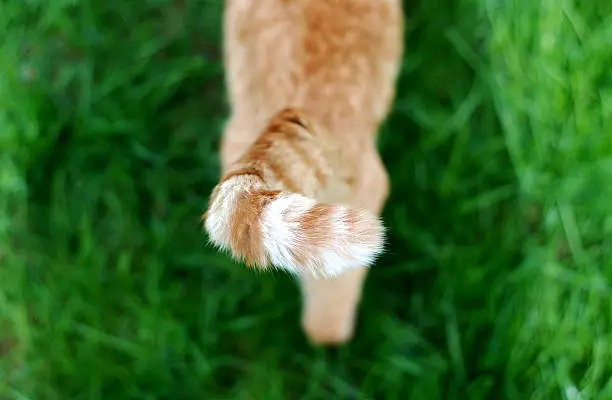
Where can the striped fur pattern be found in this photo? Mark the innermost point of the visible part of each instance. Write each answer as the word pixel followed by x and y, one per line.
pixel 264 212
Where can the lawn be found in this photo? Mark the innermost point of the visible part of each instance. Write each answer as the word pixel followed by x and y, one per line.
pixel 498 279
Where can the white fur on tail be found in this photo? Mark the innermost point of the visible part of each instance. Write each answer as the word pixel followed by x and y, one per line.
pixel 295 233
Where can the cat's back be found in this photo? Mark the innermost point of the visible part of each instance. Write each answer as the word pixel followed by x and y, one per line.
pixel 336 59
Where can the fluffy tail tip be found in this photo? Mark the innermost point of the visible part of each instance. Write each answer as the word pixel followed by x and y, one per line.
pixel 288 231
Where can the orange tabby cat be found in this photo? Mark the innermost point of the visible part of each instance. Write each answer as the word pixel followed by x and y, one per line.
pixel 309 83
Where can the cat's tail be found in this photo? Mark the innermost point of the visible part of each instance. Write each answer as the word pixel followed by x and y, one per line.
pixel 285 229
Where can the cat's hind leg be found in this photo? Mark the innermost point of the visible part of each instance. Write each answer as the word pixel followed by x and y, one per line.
pixel 330 305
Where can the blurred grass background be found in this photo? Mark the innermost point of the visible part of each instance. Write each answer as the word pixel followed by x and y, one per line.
pixel 498 279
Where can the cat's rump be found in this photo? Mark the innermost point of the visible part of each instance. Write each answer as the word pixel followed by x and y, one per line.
pixel 264 213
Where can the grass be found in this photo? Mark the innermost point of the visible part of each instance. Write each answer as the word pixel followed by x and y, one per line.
pixel 498 279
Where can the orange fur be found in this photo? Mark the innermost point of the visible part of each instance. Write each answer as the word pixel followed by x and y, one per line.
pixel 309 83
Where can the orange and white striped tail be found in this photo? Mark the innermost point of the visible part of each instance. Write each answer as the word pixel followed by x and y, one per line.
pixel 288 231
pixel 282 228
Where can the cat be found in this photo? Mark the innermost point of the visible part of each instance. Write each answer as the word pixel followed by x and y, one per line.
pixel 309 83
